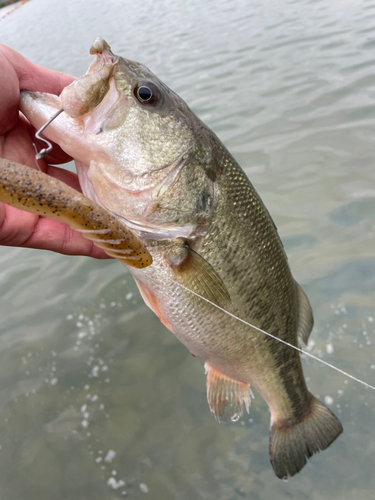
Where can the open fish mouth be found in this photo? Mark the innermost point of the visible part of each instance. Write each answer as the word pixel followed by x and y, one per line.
pixel 82 103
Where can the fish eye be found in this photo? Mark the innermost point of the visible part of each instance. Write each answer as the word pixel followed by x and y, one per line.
pixel 147 93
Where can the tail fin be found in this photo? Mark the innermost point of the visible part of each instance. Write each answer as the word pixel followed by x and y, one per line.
pixel 292 443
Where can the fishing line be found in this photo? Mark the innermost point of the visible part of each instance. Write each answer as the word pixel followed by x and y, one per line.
pixel 43 152
pixel 280 340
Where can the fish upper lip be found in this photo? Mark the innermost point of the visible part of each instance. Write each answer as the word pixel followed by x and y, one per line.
pixel 103 56
pixel 106 57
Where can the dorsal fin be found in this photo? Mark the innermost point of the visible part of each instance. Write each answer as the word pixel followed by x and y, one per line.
pixel 305 316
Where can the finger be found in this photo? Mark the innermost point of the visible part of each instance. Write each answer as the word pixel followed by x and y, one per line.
pixel 34 77
pixel 58 237
pixel 23 229
pixel 18 73
pixel 10 95
pixel 63 175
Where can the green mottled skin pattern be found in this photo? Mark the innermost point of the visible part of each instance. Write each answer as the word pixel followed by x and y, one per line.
pixel 243 246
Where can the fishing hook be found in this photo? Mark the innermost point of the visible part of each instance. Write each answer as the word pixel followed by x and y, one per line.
pixel 49 147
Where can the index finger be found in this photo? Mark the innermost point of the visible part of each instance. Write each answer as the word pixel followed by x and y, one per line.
pixel 18 73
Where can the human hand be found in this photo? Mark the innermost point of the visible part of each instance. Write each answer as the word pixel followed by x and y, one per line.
pixel 18 228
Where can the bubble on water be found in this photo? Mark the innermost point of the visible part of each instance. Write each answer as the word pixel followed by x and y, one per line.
pixel 80 335
pixel 114 472
pixel 370 319
pixel 328 400
pixel 94 398
pixel 115 485
pixel 143 487
pixel 95 371
pixel 113 304
pixel 83 408
pixel 329 348
pixel 86 387
pixel 128 296
pixel 84 424
pixel 110 456
pixel 53 381
pixel 310 345
pixel 70 316
pixel 98 460
pixel 79 324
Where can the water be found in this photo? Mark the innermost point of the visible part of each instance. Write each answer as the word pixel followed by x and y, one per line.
pixel 97 399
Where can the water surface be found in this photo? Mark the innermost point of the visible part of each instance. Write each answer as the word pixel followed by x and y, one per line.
pixel 97 399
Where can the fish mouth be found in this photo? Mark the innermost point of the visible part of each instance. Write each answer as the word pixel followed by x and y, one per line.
pixel 85 103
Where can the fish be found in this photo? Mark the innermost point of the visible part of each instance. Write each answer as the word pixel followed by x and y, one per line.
pixel 146 158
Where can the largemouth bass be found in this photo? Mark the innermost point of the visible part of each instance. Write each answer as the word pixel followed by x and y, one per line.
pixel 145 157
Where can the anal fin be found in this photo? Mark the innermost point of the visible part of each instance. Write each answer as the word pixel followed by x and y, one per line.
pixel 226 396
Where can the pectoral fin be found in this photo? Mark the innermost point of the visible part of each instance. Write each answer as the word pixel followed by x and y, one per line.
pixel 195 273
pixel 38 193
pixel 226 396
